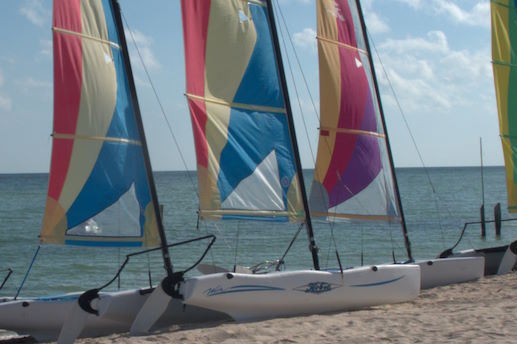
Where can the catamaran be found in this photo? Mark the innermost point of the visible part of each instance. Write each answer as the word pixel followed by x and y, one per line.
pixel 248 162
pixel 101 190
pixel 501 259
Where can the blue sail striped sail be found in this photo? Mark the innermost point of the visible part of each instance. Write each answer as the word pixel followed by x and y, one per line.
pixel 245 158
pixel 99 191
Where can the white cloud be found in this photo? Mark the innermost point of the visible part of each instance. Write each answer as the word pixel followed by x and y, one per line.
pixel 30 83
pixel 45 47
pixel 418 93
pixel 8 60
pixel 143 43
pixel 479 15
pixel 35 12
pixel 305 39
pixel 436 42
pixel 5 103
pixel 366 4
pixel 141 82
pixel 465 65
pixel 412 3
pixel 375 24
pixel 429 76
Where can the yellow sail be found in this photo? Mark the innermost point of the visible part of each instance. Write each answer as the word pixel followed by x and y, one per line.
pixel 504 59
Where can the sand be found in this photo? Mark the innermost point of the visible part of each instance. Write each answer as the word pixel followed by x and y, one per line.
pixel 484 311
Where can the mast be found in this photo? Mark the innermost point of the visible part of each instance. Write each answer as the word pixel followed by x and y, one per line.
pixel 292 135
pixel 390 156
pixel 138 119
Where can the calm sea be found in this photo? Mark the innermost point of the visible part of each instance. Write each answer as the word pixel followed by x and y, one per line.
pixel 434 221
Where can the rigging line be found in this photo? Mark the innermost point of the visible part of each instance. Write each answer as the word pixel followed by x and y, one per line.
pixel 410 132
pixel 392 243
pixel 317 177
pixel 220 233
pixel 281 260
pixel 294 85
pixel 236 246
pixel 205 229
pixel 161 106
pixel 28 271
pixel 118 264
pixel 333 237
pixel 298 62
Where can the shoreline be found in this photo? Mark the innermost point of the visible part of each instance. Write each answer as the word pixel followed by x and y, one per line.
pixel 475 312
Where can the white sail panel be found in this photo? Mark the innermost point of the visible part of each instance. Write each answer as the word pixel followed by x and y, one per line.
pixel 261 190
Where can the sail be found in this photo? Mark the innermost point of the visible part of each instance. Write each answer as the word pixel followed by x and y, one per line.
pixel 504 62
pixel 352 177
pixel 245 159
pixel 99 191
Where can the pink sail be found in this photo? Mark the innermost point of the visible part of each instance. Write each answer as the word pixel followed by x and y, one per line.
pixel 352 177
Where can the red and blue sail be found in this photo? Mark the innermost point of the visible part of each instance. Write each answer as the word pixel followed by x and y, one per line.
pixel 245 159
pixel 352 178
pixel 98 191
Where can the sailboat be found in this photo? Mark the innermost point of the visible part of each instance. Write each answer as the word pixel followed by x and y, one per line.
pixel 501 259
pixel 101 190
pixel 249 167
pixel 354 177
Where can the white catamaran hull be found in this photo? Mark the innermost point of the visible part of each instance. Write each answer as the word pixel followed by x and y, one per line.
pixel 444 271
pixel 247 297
pixel 498 260
pixel 43 318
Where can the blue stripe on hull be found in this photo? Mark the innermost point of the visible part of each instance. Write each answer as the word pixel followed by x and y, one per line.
pixel 377 283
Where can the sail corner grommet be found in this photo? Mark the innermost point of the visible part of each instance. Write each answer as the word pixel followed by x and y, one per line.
pixel 375 268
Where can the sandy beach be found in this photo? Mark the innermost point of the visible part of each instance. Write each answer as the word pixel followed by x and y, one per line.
pixel 478 312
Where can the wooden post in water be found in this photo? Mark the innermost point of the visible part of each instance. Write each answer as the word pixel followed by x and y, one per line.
pixel 482 209
pixel 497 220
pixel 483 224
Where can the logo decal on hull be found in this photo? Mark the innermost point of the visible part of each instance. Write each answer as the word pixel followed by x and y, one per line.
pixel 239 289
pixel 317 287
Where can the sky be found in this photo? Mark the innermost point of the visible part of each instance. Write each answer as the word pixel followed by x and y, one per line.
pixel 435 54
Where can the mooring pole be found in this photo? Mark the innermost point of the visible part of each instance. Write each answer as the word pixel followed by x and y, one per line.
pixel 497 220
pixel 482 209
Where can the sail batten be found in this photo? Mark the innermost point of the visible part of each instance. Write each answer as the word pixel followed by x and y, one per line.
pixel 351 132
pixel 504 61
pixel 95 138
pixel 352 178
pixel 245 160
pixel 341 44
pixel 82 35
pixel 258 108
pixel 99 189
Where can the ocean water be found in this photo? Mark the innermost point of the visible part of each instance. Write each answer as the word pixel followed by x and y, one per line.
pixel 434 220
